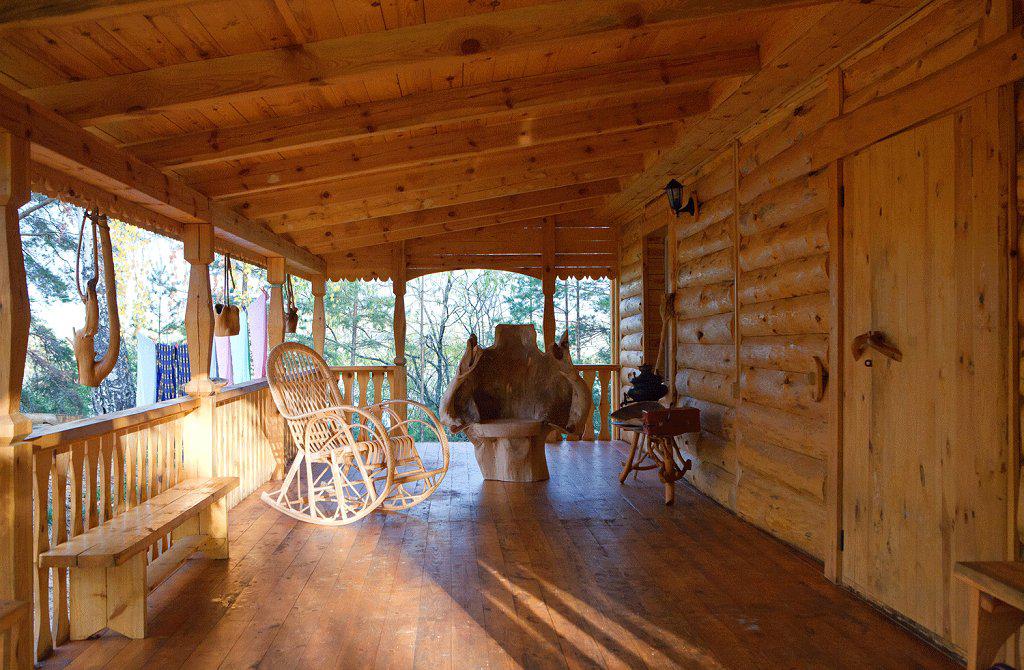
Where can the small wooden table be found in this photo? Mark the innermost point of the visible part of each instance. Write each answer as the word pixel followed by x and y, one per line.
pixel 660 449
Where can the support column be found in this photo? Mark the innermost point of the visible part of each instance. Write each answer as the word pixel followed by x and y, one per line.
pixel 16 561
pixel 275 313
pixel 319 286
pixel 275 336
pixel 199 437
pixel 548 283
pixel 399 389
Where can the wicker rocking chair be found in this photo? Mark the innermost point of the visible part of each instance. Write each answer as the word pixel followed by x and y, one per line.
pixel 350 460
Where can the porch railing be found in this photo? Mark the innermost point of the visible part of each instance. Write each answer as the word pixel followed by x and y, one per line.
pixel 90 471
pixel 363 385
pixel 604 376
pixel 87 472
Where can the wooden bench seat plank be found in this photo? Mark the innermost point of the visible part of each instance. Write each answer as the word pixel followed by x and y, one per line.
pixel 1002 579
pixel 114 541
pixel 142 521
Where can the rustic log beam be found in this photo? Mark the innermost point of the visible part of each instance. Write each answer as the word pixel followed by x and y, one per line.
pixel 61 145
pixel 511 101
pixel 368 193
pixel 329 223
pixel 276 276
pixel 444 43
pixel 339 241
pixel 200 428
pixel 45 13
pixel 548 282
pixel 451 157
pixel 319 289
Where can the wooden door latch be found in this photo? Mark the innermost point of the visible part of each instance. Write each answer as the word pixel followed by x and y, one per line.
pixel 875 339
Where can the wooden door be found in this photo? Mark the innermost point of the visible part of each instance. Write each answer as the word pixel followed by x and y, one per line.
pixel 925 449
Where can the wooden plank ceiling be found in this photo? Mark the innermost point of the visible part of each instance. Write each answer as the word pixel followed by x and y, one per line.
pixel 454 131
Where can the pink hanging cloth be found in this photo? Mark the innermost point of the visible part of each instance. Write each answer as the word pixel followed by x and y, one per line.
pixel 224 367
pixel 257 312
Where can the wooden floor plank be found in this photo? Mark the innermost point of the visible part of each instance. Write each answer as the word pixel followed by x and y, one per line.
pixel 576 572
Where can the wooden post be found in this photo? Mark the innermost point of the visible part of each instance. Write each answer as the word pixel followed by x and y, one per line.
pixel 199 437
pixel 548 283
pixel 275 313
pixel 275 336
pixel 319 288
pixel 400 388
pixel 16 561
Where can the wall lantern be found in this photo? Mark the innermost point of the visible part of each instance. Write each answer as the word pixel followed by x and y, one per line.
pixel 674 193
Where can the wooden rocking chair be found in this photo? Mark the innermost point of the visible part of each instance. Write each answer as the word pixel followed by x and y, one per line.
pixel 349 460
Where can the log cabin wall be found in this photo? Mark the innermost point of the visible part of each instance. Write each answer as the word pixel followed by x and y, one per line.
pixel 758 305
pixel 631 307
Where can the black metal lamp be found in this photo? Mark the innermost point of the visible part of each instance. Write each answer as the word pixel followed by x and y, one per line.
pixel 674 193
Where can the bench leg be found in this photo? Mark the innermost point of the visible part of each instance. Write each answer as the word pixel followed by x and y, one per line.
pixel 213 523
pixel 113 597
pixel 992 623
pixel 126 597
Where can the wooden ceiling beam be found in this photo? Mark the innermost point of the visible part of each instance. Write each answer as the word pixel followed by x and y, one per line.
pixel 368 234
pixel 510 100
pixel 330 224
pixel 64 147
pixel 839 33
pixel 530 162
pixel 545 143
pixel 423 195
pixel 448 43
pixel 21 14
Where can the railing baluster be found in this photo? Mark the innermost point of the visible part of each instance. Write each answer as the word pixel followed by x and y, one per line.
pixel 92 458
pixel 61 615
pixel 604 406
pixel 43 465
pixel 106 464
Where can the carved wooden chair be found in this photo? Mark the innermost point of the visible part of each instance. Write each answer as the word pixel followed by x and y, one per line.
pixel 349 460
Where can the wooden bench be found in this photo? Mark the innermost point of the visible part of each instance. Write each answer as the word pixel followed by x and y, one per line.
pixel 110 577
pixel 997 607
pixel 12 613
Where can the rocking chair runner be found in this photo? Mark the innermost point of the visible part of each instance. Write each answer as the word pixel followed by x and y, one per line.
pixel 349 460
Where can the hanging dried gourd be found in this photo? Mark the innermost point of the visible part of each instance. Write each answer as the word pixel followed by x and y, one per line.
pixel 291 319
pixel 92 371
pixel 225 315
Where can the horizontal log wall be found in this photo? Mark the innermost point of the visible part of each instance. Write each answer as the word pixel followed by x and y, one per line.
pixel 755 286
pixel 631 299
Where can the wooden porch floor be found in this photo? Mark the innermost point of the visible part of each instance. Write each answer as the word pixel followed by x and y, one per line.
pixel 575 572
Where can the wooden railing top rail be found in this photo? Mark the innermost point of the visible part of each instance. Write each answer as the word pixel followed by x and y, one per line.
pixel 361 368
pixel 242 388
pixel 597 366
pixel 64 434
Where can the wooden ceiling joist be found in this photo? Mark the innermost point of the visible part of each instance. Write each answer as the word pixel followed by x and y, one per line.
pixel 44 13
pixel 64 147
pixel 546 143
pixel 328 225
pixel 443 43
pixel 373 233
pixel 511 100
pixel 383 200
